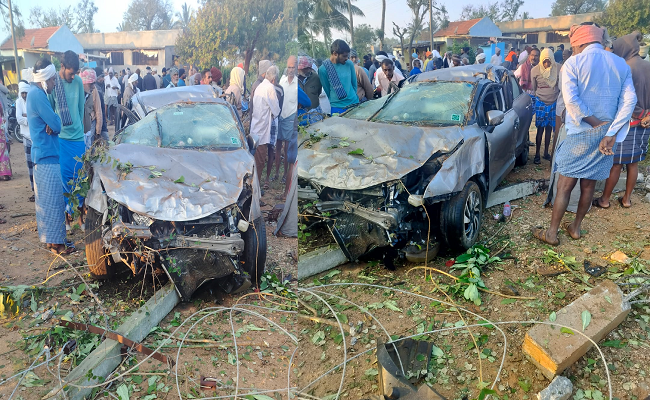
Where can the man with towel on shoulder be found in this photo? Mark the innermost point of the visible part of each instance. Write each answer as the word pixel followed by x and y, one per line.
pixel 68 100
pixel 599 96
pixel 339 78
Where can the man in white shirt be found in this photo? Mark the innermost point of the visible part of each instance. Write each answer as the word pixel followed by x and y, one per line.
pixel 386 76
pixel 154 73
pixel 266 108
pixel 599 98
pixel 287 131
pixel 496 57
pixel 112 86
pixel 21 116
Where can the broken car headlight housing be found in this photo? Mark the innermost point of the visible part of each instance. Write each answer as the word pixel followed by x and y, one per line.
pixel 142 220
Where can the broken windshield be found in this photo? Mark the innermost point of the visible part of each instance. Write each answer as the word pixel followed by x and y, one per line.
pixel 429 103
pixel 198 125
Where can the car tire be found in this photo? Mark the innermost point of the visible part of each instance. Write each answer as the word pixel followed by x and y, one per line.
pixel 16 133
pixel 522 158
pixel 96 255
pixel 254 256
pixel 460 218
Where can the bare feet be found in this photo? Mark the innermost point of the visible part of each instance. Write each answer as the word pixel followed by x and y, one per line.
pixel 570 229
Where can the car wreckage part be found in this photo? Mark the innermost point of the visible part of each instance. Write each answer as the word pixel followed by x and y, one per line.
pixel 393 358
pixel 95 253
pixel 139 347
pixel 460 218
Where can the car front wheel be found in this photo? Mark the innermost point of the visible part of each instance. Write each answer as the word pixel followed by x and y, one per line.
pixel 460 219
pixel 96 255
pixel 254 256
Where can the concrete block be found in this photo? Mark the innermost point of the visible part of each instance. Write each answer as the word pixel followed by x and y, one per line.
pixel 105 358
pixel 553 351
pixel 560 388
pixel 515 191
pixel 320 260
pixel 647 197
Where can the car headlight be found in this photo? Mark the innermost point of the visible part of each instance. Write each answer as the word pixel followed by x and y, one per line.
pixel 142 220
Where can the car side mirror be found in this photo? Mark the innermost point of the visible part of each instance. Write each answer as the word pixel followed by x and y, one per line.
pixel 253 141
pixel 495 117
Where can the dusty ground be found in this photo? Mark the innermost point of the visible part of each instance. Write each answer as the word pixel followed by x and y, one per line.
pixel 457 373
pixel 26 262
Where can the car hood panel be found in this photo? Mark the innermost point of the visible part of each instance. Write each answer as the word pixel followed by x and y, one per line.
pixel 389 152
pixel 212 180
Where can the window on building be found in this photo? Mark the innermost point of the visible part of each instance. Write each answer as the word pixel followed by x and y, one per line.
pixel 555 37
pixel 116 58
pixel 532 38
pixel 145 57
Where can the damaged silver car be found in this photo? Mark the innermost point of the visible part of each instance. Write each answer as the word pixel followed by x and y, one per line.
pixel 414 170
pixel 178 191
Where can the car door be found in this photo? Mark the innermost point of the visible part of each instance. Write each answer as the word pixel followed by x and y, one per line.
pixel 523 106
pixel 501 137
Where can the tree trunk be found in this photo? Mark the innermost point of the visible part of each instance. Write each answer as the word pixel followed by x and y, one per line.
pixel 383 24
pixel 351 24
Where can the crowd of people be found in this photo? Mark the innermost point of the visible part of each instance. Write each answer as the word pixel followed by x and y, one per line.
pixel 63 113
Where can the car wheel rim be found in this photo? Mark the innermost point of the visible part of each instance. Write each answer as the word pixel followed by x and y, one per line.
pixel 472 215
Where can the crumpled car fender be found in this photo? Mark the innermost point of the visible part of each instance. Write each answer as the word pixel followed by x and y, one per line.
pixel 459 167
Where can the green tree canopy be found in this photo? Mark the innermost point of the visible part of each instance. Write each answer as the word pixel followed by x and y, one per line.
pixel 147 15
pixel 626 16
pixel 571 7
pixel 507 10
pixel 43 18
pixel 19 25
pixel 364 37
pixel 228 29
pixel 86 10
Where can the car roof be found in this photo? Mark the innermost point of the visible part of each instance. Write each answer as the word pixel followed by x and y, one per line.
pixel 154 99
pixel 465 73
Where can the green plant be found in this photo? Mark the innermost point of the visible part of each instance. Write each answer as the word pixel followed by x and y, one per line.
pixel 471 264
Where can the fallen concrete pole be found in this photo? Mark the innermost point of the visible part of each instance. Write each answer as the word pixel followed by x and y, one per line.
pixel 553 349
pixel 105 358
pixel 320 260
pixel 515 191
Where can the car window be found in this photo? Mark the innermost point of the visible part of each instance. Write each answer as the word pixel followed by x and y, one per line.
pixel 366 109
pixel 516 90
pixel 206 125
pixel 437 103
pixel 492 99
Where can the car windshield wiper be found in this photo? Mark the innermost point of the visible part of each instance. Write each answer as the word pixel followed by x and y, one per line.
pixel 390 97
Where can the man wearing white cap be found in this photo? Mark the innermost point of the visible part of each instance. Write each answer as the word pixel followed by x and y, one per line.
pixel 266 108
pixel 480 58
pixel 21 116
pixel 45 126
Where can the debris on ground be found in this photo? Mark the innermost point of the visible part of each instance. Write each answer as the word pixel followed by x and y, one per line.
pixel 560 388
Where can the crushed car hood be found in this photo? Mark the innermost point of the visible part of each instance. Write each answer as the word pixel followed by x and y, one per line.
pixel 211 180
pixel 389 151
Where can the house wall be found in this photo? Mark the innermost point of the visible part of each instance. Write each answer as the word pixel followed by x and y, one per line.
pixel 64 40
pixel 485 28
pixel 546 24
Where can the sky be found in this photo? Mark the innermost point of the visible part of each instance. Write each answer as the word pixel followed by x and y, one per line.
pixel 110 12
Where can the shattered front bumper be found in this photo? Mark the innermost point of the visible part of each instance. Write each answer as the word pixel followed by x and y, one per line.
pixel 358 230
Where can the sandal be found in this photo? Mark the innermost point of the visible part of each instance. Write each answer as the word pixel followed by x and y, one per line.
pixel 547 157
pixel 565 227
pixel 537 160
pixel 620 201
pixel 32 198
pixel 540 233
pixel 552 270
pixel 62 249
pixel 596 203
pixel 594 271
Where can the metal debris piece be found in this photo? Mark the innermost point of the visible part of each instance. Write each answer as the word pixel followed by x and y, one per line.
pixel 393 384
pixel 118 338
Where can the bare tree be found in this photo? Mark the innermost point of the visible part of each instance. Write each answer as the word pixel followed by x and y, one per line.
pixel 19 25
pixel 44 18
pixel 419 8
pixel 147 15
pixel 400 33
pixel 86 11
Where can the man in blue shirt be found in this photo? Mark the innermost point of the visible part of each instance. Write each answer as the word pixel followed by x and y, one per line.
pixel 338 77
pixel 45 126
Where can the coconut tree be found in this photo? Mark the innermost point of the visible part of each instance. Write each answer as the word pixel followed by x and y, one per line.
pixel 183 17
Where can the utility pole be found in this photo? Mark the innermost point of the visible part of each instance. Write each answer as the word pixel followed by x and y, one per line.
pixel 431 25
pixel 351 24
pixel 13 36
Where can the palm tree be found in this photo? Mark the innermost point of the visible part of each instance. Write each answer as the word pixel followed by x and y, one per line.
pixel 122 27
pixel 320 17
pixel 183 17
